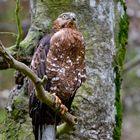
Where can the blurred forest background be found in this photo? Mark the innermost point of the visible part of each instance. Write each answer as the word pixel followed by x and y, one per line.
pixel 131 78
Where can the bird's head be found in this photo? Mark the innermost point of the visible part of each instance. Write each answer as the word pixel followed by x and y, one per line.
pixel 65 20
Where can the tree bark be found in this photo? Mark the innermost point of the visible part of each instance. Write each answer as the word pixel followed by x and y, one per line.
pixel 98 101
pixel 104 26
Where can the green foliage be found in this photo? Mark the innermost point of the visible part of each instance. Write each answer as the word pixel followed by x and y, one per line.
pixel 119 61
pixel 2 115
pixel 2 119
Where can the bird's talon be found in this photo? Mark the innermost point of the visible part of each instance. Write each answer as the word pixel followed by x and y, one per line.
pixel 63 109
pixel 57 100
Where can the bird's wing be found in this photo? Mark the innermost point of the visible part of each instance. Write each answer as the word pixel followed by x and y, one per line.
pixel 37 109
pixel 38 66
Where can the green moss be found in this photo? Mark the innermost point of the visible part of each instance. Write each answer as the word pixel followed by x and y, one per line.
pixel 121 41
pixel 20 109
pixel 17 123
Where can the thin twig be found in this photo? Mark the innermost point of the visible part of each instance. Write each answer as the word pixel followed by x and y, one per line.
pixel 42 95
pixel 9 33
pixel 19 27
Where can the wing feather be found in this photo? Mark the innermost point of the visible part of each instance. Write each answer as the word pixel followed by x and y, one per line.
pixel 37 109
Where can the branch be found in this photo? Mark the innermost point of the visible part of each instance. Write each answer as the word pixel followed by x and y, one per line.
pixel 19 27
pixel 9 33
pixel 40 22
pixel 42 95
pixel 63 128
pixel 131 64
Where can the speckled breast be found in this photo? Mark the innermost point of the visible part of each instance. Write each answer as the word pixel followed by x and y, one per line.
pixel 66 63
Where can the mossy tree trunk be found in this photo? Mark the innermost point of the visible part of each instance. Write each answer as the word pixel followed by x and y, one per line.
pixel 97 104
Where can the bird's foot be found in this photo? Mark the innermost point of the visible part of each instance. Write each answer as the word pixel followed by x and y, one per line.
pixel 63 109
pixel 58 102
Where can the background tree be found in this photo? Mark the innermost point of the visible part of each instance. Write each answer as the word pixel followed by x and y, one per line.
pixel 97 104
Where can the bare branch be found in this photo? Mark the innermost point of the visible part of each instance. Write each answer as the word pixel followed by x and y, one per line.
pixel 9 33
pixel 19 27
pixel 42 95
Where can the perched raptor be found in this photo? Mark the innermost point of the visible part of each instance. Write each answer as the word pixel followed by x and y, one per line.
pixel 61 56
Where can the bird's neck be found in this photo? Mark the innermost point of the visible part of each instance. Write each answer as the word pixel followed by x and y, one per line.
pixel 57 27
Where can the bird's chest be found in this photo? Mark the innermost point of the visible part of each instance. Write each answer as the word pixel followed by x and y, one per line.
pixel 65 60
pixel 63 72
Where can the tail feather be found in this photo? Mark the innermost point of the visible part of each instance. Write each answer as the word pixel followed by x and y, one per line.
pixel 49 132
pixel 45 132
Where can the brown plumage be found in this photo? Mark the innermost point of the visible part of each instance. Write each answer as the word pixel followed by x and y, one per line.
pixel 60 56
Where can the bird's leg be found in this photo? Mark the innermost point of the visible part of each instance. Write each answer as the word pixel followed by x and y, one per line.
pixel 57 99
pixel 63 108
pixel 58 103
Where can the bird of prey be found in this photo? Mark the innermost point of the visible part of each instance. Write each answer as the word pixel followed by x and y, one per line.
pixel 60 56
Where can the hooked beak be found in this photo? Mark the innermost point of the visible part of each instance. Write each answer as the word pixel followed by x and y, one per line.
pixel 73 17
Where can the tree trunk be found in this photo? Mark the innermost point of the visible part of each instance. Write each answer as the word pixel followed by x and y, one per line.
pixel 104 26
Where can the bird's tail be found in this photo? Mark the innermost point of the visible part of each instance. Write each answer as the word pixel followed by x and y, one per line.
pixel 49 132
pixel 45 132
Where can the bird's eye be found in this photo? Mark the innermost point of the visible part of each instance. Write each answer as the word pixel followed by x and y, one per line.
pixel 64 16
